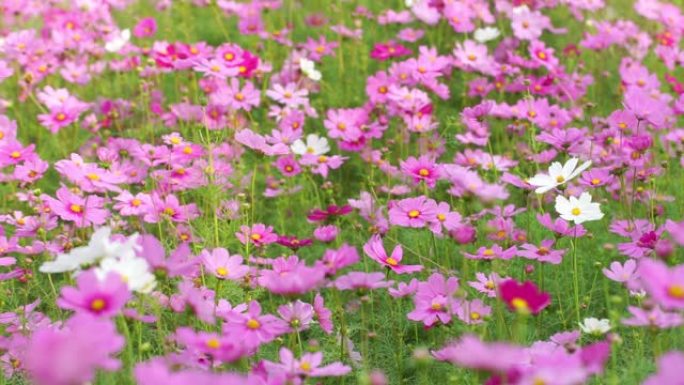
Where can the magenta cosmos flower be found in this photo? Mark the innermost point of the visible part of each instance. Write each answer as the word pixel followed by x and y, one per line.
pixel 98 297
pixel 375 249
pixel 421 169
pixel 523 298
pixel 413 212
pixel 83 211
pixel 253 327
pixel 258 235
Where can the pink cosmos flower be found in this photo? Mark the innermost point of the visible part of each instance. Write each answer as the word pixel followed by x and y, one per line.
pixel 664 285
pixel 170 208
pixel 622 273
pixel 335 260
pixel 327 233
pixel 309 365
pixel 239 98
pixel 258 235
pixel 104 298
pixel 298 315
pixel 179 263
pixel 357 280
pixel 323 314
pixel 145 28
pixel 655 317
pixel 222 265
pixel 71 354
pixel 374 249
pixel 322 164
pixel 470 352
pixel 542 253
pixel 223 348
pixel 404 289
pixel 494 252
pixel 13 153
pixel 669 370
pixel 473 312
pixel 421 169
pixel 257 142
pixel 132 205
pixel 290 276
pixel 254 328
pixel 524 298
pixel 289 95
pixel 434 301
pixel 391 49
pixel 413 212
pixel 83 211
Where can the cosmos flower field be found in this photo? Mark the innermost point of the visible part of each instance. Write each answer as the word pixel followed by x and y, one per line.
pixel 283 192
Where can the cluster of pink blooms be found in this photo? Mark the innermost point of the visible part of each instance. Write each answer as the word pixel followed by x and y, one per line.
pixel 259 134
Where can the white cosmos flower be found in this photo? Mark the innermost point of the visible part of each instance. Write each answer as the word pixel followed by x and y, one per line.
pixel 315 145
pixel 595 326
pixel 99 247
pixel 486 34
pixel 118 42
pixel 135 271
pixel 308 67
pixel 557 175
pixel 578 210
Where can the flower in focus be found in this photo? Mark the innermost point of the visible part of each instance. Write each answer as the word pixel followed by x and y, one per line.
pixel 558 175
pixel 578 210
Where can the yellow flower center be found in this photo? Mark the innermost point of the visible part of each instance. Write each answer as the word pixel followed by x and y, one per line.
pixel 305 366
pixel 391 261
pixel 187 150
pixel 441 217
pixel 97 304
pixel 520 304
pixel 322 159
pixel 239 96
pixel 253 324
pixel 472 57
pixel 436 306
pixel 175 140
pixel 489 285
pixel 255 236
pixel 15 155
pixel 475 315
pixel 541 55
pixel 560 179
pixel 222 271
pixel 136 202
pixel 93 176
pixel 595 181
pixel 423 172
pixel 76 208
pixel 413 214
pixel 213 343
pixel 229 56
pixel 169 211
pixel 60 117
pixel 676 291
pixel 488 252
pixel 576 211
